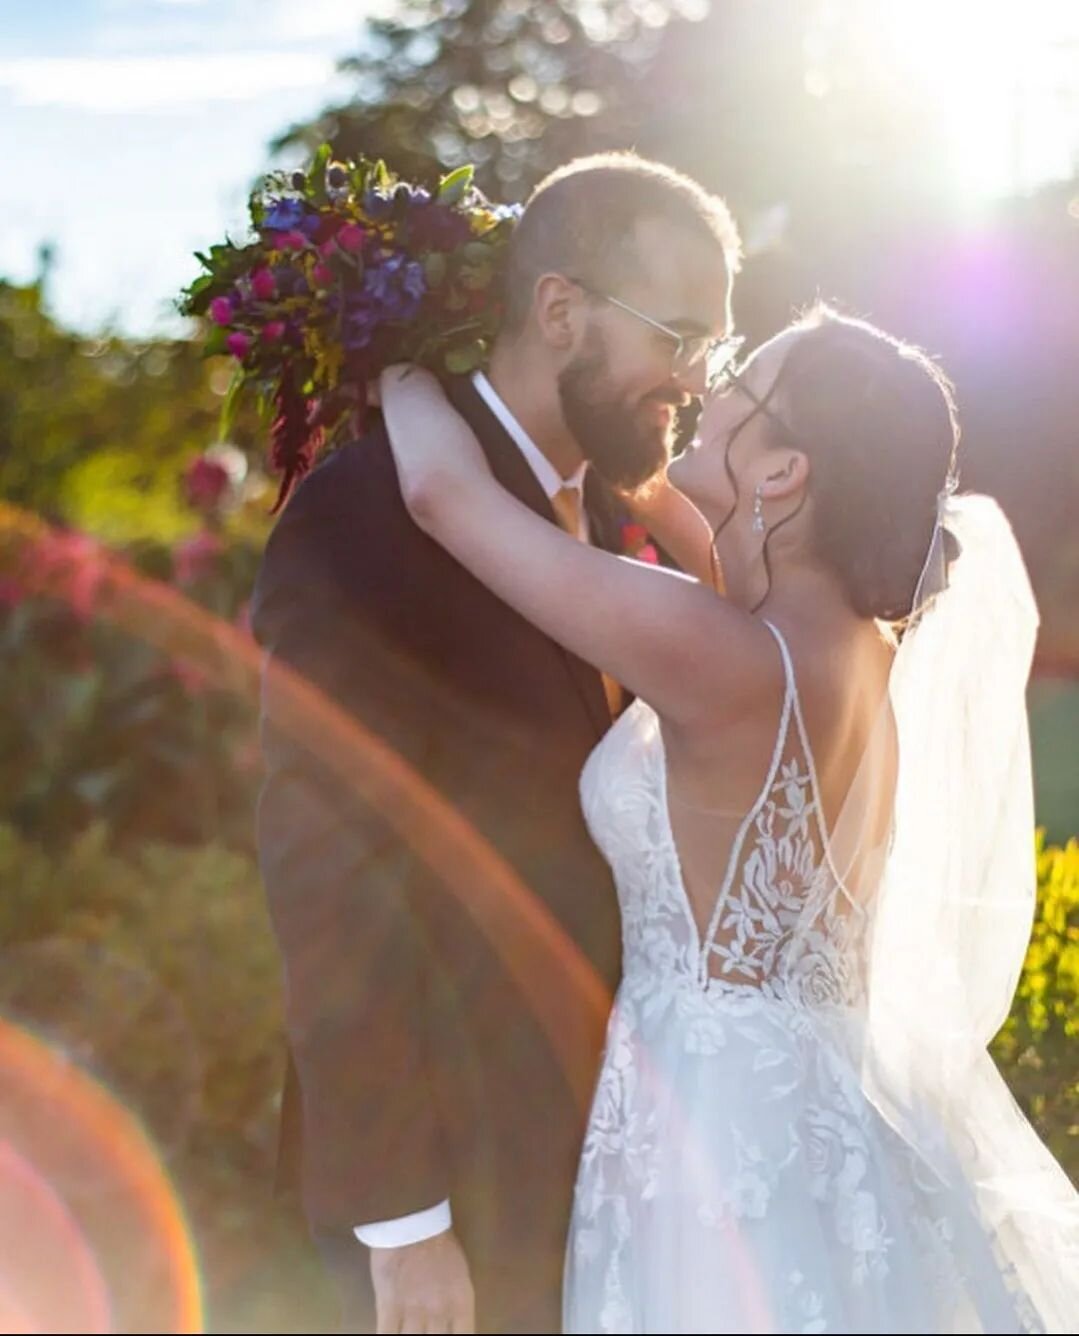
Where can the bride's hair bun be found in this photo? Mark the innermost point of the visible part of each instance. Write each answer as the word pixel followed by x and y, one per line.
pixel 877 419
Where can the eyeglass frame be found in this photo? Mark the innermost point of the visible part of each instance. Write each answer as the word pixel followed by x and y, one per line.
pixel 679 362
pixel 730 378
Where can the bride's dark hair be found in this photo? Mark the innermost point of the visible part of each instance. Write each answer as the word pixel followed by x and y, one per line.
pixel 877 420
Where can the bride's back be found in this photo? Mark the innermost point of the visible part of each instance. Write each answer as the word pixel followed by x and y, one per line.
pixel 838 738
pixel 735 853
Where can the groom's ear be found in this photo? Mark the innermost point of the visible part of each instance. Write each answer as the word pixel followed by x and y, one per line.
pixel 559 312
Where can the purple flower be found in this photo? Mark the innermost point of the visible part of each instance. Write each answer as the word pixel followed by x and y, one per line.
pixel 414 281
pixel 411 195
pixel 376 205
pixel 395 286
pixel 291 282
pixel 284 215
pixel 361 320
pixel 438 228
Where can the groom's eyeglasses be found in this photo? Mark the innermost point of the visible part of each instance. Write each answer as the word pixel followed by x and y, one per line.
pixel 688 351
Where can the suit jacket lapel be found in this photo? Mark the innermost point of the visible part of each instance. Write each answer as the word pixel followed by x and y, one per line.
pixel 511 469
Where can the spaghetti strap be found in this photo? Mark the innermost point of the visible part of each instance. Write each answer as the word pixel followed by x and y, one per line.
pixel 785 654
pixel 811 764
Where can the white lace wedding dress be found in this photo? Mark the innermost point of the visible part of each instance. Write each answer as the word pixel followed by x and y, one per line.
pixel 735 1177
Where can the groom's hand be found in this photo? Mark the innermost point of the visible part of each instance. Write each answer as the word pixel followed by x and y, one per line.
pixel 423 1287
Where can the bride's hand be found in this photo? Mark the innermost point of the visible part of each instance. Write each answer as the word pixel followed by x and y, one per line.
pixel 437 454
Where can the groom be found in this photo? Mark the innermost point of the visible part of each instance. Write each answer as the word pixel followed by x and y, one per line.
pixel 427 1122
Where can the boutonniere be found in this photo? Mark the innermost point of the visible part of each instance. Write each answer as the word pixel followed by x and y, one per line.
pixel 637 543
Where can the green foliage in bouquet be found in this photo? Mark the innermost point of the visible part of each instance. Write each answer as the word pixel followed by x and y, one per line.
pixel 348 270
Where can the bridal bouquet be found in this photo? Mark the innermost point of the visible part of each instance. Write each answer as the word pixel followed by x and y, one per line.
pixel 348 270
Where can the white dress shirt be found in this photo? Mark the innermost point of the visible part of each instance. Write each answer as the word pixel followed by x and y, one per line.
pixel 437 1219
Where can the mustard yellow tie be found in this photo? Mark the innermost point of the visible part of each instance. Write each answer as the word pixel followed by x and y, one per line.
pixel 566 504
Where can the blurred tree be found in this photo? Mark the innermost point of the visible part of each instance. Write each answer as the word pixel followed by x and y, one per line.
pixel 94 432
pixel 513 86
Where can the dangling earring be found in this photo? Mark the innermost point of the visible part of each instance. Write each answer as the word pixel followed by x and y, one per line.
pixel 758 511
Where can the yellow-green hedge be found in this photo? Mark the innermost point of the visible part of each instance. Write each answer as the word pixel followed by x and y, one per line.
pixel 1038 1048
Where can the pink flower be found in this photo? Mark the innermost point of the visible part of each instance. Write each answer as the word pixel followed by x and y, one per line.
pixel 205 483
pixel 272 331
pixel 263 285
pixel 11 592
pixel 190 676
pixel 290 241
pixel 351 238
pixel 327 248
pixel 195 558
pixel 238 344
pixel 221 310
pixel 69 566
pixel 323 275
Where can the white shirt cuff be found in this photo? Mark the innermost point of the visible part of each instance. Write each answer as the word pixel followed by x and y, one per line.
pixel 407 1229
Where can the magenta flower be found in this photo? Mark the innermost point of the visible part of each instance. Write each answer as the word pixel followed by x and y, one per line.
pixel 206 481
pixel 263 285
pixel 272 331
pixel 290 241
pixel 351 238
pixel 196 558
pixel 322 275
pixel 238 344
pixel 222 310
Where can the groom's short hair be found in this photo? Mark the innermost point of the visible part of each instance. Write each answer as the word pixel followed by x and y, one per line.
pixel 579 221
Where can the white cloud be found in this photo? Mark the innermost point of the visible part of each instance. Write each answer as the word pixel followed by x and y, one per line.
pixel 146 83
pixel 341 20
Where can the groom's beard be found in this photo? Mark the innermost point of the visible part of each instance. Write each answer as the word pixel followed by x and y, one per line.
pixel 622 442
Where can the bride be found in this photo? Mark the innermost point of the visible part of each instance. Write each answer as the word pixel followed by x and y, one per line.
pixel 819 818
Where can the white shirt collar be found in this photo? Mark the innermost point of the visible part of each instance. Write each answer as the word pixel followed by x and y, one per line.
pixel 545 472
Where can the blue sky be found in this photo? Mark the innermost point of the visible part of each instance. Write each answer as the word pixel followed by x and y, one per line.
pixel 131 130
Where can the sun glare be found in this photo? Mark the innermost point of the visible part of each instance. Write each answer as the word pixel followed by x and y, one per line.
pixel 1001 81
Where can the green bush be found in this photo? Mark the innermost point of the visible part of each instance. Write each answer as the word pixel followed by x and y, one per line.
pixel 101 726
pixel 156 970
pixel 154 967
